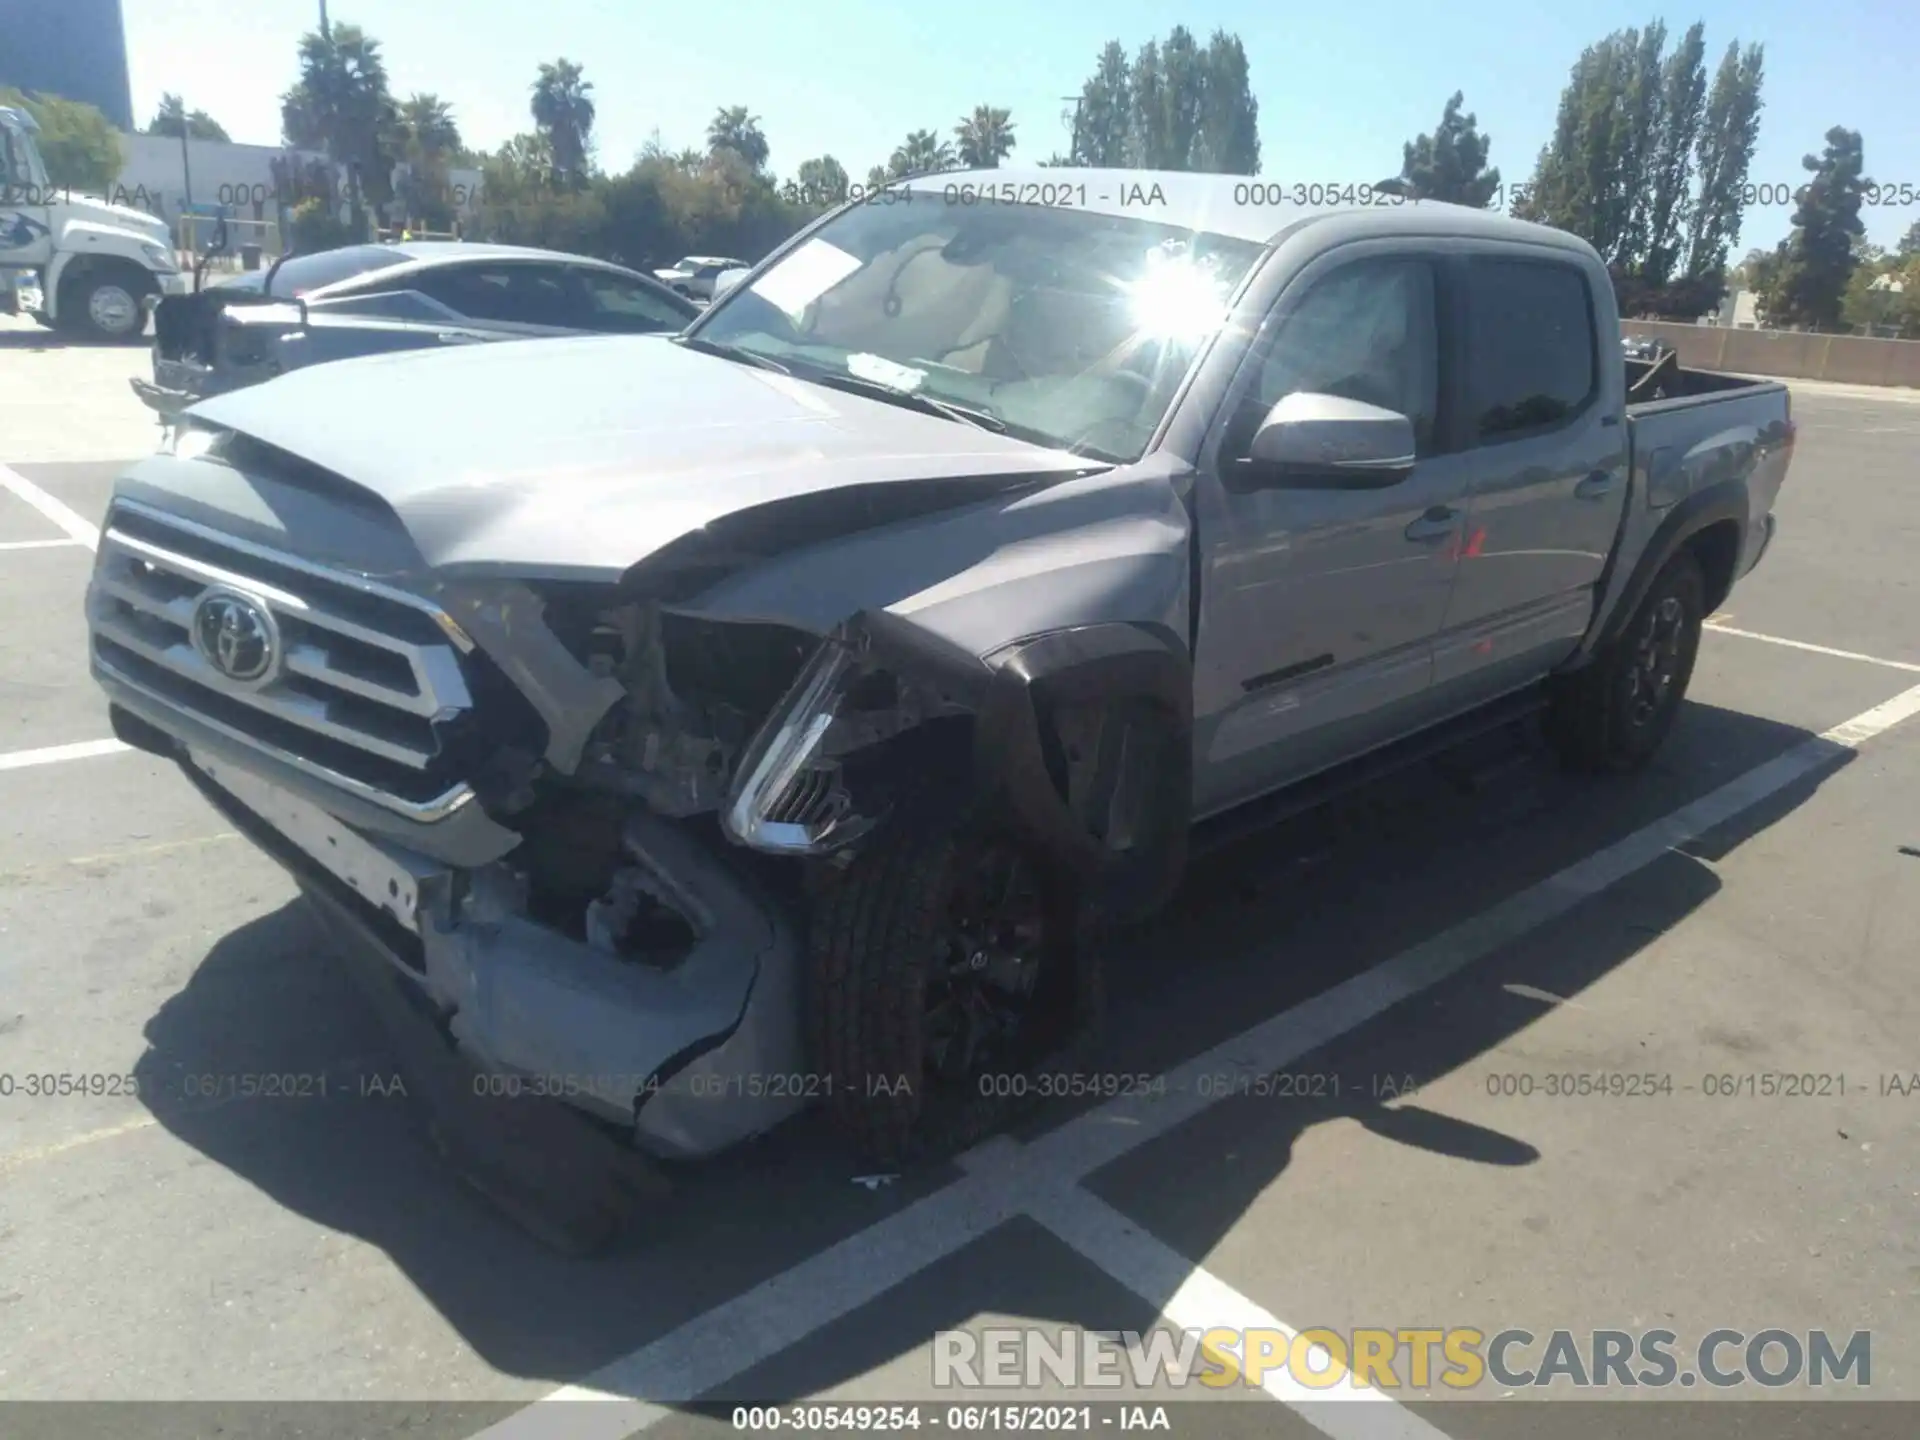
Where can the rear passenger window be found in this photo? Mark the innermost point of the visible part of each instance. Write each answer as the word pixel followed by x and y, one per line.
pixel 1530 360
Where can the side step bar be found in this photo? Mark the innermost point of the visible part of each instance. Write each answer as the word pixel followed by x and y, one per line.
pixel 1242 821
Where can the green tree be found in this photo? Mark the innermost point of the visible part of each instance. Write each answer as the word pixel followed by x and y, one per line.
pixel 171 118
pixel 921 153
pixel 985 136
pixel 427 139
pixel 1589 175
pixel 1909 245
pixel 341 105
pixel 823 180
pixel 1174 106
pixel 1102 116
pixel 1228 142
pixel 733 128
pixel 1450 164
pixel 563 112
pixel 878 177
pixel 78 142
pixel 1683 91
pixel 1817 259
pixel 1728 133
pixel 1874 296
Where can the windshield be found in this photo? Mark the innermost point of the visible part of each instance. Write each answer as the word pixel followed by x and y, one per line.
pixel 23 170
pixel 1069 328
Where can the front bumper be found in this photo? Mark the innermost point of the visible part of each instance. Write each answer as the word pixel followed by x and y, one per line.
pixel 690 1059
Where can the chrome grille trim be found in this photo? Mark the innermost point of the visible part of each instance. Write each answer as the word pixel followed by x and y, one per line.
pixel 425 811
pixel 357 687
pixel 372 588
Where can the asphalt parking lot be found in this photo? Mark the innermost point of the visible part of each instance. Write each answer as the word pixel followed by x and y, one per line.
pixel 1421 959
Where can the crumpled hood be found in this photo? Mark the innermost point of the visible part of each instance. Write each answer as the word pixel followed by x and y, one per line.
pixel 583 456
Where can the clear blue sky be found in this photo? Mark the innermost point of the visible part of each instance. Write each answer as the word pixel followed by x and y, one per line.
pixel 1340 86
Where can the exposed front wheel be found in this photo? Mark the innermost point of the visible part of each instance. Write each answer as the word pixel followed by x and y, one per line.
pixel 1614 714
pixel 952 985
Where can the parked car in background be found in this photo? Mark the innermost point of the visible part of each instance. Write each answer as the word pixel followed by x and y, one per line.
pixel 697 277
pixel 374 299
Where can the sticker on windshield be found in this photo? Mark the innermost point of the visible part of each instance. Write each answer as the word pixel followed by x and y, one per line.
pixel 883 371
pixel 800 279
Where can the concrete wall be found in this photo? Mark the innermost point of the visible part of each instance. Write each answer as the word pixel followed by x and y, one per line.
pixel 1789 354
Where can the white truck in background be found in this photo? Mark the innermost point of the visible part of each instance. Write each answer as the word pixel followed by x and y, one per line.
pixel 75 262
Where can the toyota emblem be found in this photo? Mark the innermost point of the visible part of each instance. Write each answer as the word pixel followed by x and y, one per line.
pixel 235 634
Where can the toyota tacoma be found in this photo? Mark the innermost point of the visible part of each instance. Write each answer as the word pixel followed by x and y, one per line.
pixel 782 713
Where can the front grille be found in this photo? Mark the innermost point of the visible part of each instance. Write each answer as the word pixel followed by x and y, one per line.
pixel 367 688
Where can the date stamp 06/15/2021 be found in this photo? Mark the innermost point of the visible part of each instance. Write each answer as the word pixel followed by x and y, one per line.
pixel 1305 1086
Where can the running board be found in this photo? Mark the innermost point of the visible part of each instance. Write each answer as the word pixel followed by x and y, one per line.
pixel 1242 821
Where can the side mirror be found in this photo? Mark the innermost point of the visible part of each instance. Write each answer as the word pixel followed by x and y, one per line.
pixel 1312 441
pixel 726 280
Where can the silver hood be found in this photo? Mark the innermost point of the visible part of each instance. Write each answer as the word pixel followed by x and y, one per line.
pixel 580 457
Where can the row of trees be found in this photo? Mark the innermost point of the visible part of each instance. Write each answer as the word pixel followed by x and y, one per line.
pixel 1648 160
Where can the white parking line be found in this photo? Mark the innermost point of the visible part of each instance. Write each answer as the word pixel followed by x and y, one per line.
pixel 37 544
pixel 1815 649
pixel 1005 1179
pixel 54 754
pixel 1191 1298
pixel 80 531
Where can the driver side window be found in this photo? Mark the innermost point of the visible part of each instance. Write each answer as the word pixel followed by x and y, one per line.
pixel 1365 332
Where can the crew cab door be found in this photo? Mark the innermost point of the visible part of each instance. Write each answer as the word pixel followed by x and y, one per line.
pixel 1548 453
pixel 1319 606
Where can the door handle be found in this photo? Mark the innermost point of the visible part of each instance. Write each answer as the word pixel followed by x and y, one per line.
pixel 1437 524
pixel 1596 486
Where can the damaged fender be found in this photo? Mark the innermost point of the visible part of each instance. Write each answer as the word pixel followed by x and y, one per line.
pixel 1081 739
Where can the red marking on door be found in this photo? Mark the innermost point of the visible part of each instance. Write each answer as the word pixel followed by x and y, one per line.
pixel 1472 552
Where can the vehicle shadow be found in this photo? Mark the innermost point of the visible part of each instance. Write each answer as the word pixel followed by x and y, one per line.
pixel 1259 928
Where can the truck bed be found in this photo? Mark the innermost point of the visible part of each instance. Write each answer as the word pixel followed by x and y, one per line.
pixel 1695 429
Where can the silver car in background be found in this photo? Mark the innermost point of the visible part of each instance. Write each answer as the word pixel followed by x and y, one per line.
pixel 376 299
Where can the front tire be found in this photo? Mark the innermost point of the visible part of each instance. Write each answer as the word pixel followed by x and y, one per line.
pixel 954 984
pixel 1612 715
pixel 108 307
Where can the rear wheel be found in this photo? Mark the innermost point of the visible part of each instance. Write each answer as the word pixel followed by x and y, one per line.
pixel 953 986
pixel 1613 714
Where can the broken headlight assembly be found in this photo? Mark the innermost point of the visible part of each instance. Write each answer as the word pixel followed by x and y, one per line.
pixel 788 797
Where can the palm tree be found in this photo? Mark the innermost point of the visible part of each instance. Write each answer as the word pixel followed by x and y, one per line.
pixel 340 105
pixel 986 137
pixel 563 112
pixel 427 123
pixel 732 128
pixel 428 139
pixel 920 153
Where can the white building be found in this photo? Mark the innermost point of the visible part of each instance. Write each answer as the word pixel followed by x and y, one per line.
pixel 161 174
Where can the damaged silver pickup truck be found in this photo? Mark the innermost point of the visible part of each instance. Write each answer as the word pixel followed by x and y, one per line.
pixel 782 713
